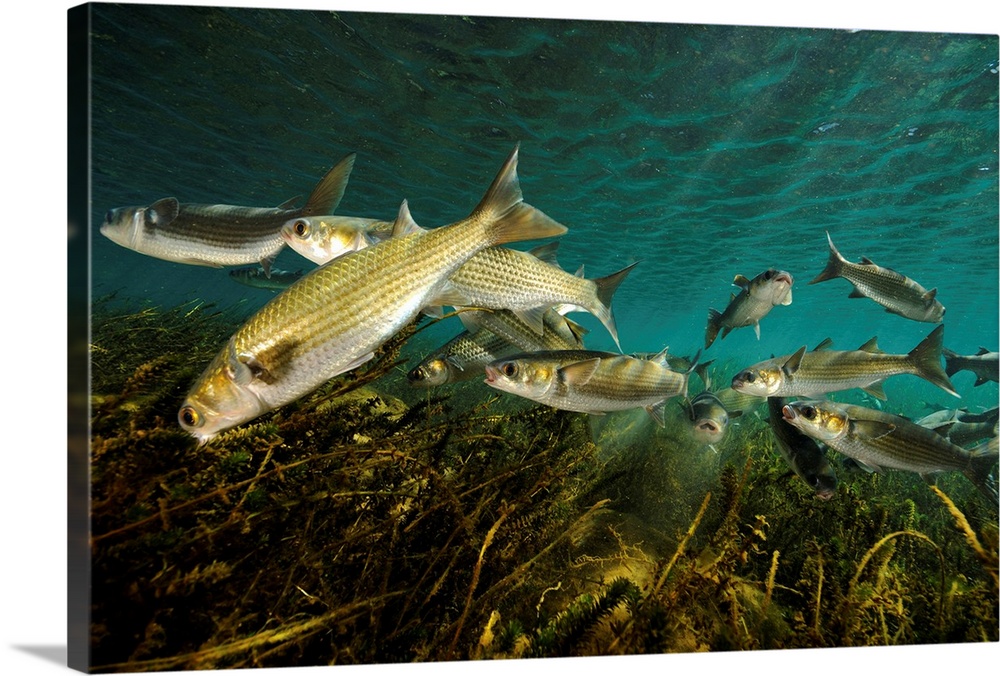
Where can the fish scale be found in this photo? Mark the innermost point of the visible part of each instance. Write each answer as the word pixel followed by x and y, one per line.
pixel 895 292
pixel 822 371
pixel 558 333
pixel 496 278
pixel 589 381
pixel 465 355
pixel 333 319
pixel 883 440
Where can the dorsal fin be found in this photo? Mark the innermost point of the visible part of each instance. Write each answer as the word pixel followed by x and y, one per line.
pixel 326 196
pixel 824 344
pixel 875 389
pixel 546 253
pixel 871 346
pixel 404 223
pixel 661 357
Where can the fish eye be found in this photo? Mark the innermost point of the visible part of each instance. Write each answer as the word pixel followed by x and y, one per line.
pixel 749 376
pixel 108 216
pixel 809 412
pixel 769 274
pixel 301 227
pixel 508 369
pixel 190 417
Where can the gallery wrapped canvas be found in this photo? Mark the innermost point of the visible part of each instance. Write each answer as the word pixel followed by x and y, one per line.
pixel 401 337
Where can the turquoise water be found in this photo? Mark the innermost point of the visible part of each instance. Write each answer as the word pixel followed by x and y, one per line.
pixel 701 151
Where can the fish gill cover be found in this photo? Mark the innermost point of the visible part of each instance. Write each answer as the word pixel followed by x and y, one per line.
pixel 373 522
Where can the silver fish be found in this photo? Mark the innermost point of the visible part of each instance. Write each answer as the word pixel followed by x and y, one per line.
pixel 881 440
pixel 323 238
pixel 961 426
pixel 802 454
pixel 465 356
pixel 984 364
pixel 334 318
pixel 589 381
pixel 756 298
pixel 897 293
pixel 709 418
pixel 218 235
pixel 253 275
pixel 965 433
pixel 527 283
pixel 823 370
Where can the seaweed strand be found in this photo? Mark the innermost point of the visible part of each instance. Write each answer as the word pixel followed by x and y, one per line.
pixel 989 562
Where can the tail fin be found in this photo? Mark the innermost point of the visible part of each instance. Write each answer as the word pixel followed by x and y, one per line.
pixel 606 287
pixel 326 196
pixel 714 324
pixel 702 371
pixel 926 358
pixel 980 471
pixel 833 266
pixel 506 217
pixel 951 365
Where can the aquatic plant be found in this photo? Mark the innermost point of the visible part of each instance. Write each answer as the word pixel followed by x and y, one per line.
pixel 370 523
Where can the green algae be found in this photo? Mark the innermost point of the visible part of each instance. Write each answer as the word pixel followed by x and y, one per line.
pixel 368 523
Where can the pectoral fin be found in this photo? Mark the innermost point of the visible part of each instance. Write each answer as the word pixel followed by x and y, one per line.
pixel 248 369
pixel 871 429
pixel 579 373
pixel 875 389
pixel 655 412
pixel 792 364
pixel 533 317
pixel 162 212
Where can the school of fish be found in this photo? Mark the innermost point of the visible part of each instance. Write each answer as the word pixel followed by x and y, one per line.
pixel 373 277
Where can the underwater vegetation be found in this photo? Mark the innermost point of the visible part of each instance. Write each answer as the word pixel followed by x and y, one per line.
pixel 370 522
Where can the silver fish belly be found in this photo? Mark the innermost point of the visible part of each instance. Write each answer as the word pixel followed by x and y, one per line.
pixel 895 292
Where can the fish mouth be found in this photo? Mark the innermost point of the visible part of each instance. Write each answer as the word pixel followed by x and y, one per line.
pixel 788 413
pixel 491 375
pixel 783 277
pixel 708 426
pixel 825 494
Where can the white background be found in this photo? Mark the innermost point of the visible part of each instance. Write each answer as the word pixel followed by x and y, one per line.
pixel 33 329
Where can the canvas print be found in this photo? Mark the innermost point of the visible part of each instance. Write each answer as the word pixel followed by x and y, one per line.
pixel 434 338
